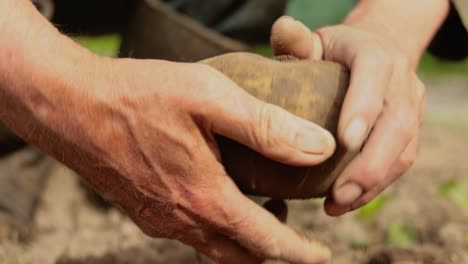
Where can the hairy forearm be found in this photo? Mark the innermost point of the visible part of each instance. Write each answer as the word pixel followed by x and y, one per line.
pixel 411 23
pixel 43 77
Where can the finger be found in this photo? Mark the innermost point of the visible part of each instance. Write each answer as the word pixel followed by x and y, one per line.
pixel 270 130
pixel 421 95
pixel 370 75
pixel 224 250
pixel 405 161
pixel 399 167
pixel 390 137
pixel 292 37
pixel 261 233
pixel 363 102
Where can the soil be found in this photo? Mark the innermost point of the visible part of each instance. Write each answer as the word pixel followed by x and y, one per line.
pixel 414 221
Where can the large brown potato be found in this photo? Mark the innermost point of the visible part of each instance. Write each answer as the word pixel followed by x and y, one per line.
pixel 312 90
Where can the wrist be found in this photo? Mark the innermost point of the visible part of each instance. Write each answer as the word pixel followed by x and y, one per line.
pixel 44 76
pixel 5 6
pixel 32 50
pixel 408 25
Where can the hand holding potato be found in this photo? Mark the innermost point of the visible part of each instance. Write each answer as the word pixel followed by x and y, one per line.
pixel 382 112
pixel 155 132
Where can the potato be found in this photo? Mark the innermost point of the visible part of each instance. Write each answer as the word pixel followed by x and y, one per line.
pixel 311 90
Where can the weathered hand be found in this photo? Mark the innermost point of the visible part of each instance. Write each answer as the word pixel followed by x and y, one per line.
pixel 382 112
pixel 142 133
pixel 155 156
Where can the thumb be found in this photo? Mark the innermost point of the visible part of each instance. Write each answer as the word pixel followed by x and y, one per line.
pixel 271 130
pixel 292 37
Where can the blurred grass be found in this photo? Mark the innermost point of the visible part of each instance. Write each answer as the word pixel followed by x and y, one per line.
pixel 263 49
pixel 401 234
pixel 105 45
pixel 434 68
pixel 9 260
pixel 373 207
pixel 449 120
pixel 14 240
pixel 358 244
pixel 456 191
pixel 318 13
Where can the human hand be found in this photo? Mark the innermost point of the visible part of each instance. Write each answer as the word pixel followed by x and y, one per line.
pixel 383 109
pixel 156 157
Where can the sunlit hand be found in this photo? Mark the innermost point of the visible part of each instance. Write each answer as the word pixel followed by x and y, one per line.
pixel 151 127
pixel 382 112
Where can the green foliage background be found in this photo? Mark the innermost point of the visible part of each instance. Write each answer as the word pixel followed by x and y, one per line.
pixel 315 14
pixel 318 13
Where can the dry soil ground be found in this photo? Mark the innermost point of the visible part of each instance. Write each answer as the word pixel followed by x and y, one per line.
pixel 423 218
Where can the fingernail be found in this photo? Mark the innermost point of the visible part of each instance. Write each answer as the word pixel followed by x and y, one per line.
pixel 323 253
pixel 317 51
pixel 348 193
pixel 286 17
pixel 312 141
pixel 356 133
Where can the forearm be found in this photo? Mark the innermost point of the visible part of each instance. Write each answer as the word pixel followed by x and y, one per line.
pixel 411 23
pixel 43 77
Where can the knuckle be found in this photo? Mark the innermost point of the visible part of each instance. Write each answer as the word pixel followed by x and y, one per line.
pixel 379 56
pixel 420 90
pixel 373 174
pixel 406 131
pixel 422 113
pixel 272 130
pixel 406 122
pixel 406 162
pixel 264 136
pixel 401 63
pixel 407 159
pixel 383 57
pixel 150 230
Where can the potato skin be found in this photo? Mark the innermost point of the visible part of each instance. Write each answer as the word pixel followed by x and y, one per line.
pixel 311 90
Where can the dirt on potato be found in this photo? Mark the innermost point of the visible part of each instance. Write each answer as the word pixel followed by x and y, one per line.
pixel 422 218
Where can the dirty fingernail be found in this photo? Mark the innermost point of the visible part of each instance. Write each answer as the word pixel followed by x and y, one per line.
pixel 312 141
pixel 356 133
pixel 348 193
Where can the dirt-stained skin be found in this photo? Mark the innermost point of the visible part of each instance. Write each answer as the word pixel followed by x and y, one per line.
pixel 311 90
